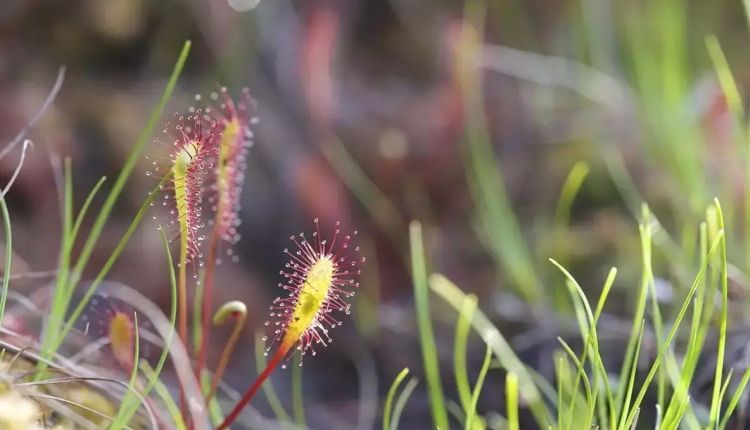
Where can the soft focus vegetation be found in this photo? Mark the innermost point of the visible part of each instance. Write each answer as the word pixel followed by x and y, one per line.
pixel 551 202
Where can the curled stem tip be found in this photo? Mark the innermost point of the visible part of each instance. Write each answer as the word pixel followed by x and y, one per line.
pixel 238 311
pixel 234 308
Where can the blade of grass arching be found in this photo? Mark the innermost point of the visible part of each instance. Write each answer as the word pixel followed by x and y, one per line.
pixel 724 388
pixel 677 407
pixel 460 346
pixel 49 347
pixel 129 400
pixel 163 392
pixel 58 307
pixel 424 324
pixel 389 398
pixel 471 413
pixel 67 290
pixel 151 381
pixel 601 394
pixel 76 313
pixel 673 331
pixel 568 193
pixel 403 397
pixel 127 169
pixel 591 339
pixel 726 79
pixel 511 401
pixel 268 390
pixel 633 200
pixel 734 101
pixel 647 278
pixel 693 351
pixel 84 209
pixel 574 395
pixel 531 386
pixel 298 402
pixel 8 255
pixel 735 400
pixel 505 240
pixel 586 334
pixel 640 310
pixel 702 323
pixel 716 398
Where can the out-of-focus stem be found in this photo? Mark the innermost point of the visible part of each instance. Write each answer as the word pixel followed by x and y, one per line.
pixel 238 311
pixel 182 290
pixel 208 287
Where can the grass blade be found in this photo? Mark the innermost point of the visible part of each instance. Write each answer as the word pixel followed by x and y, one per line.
pixel 424 320
pixel 511 396
pixel 389 398
pixel 471 413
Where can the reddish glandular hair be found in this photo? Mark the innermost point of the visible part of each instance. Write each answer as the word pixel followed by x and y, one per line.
pixel 192 153
pixel 235 120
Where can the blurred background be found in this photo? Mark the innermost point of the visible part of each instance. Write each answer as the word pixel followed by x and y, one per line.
pixel 513 130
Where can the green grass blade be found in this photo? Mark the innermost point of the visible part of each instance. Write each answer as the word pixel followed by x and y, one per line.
pixel 152 380
pixel 591 337
pixel 8 255
pixel 460 346
pixel 52 343
pixel 76 313
pixel 628 389
pixel 59 305
pixel 718 378
pixel 424 323
pixel 85 208
pixel 497 219
pixel 735 400
pixel 574 395
pixel 389 398
pixel 530 384
pixel 128 167
pixel 726 79
pixel 668 340
pixel 298 401
pixel 568 193
pixel 511 401
pixel 472 411
pixel 401 402
pixel 163 392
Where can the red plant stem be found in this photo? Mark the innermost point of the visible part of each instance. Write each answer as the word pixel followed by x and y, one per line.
pixel 208 286
pixel 250 393
pixel 182 309
pixel 225 354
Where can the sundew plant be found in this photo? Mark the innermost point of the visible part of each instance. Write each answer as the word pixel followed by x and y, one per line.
pixel 456 307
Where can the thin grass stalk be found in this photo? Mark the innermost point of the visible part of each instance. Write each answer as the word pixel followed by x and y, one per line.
pixel 424 325
pixel 8 255
pixel 52 343
pixel 389 398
